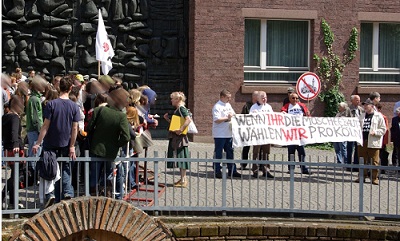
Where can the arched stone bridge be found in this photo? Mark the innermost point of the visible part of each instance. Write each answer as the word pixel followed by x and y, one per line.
pixel 93 218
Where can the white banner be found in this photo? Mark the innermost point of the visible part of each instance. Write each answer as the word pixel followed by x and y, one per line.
pixel 285 129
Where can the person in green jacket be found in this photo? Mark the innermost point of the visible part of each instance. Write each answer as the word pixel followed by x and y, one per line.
pixel 109 130
pixel 34 115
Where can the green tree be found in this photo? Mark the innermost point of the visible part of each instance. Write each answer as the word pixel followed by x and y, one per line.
pixel 330 69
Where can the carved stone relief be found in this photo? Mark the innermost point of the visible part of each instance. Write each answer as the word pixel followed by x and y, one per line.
pixel 58 37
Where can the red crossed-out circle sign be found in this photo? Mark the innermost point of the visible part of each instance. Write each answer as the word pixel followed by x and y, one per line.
pixel 308 86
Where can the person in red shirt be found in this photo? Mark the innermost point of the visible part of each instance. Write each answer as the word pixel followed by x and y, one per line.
pixel 294 107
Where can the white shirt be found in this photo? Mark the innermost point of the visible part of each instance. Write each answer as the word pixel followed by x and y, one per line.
pixel 256 108
pixel 295 109
pixel 223 129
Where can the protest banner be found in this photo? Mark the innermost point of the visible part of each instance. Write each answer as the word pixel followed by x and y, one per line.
pixel 285 129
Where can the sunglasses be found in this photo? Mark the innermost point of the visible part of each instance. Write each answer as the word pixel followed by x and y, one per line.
pixel 294 98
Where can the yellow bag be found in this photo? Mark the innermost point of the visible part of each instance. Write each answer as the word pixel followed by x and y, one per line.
pixel 176 123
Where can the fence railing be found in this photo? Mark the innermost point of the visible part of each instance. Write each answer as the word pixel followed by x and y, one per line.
pixel 330 189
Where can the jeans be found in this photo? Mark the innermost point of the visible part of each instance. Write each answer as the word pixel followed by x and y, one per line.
pixel 120 180
pixel 32 138
pixel 96 176
pixel 63 188
pixel 96 170
pixel 301 153
pixel 341 152
pixel 67 188
pixel 352 148
pixel 226 145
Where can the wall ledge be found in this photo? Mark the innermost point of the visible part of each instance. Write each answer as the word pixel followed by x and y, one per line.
pixel 386 90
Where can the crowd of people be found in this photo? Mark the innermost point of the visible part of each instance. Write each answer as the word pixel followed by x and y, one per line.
pixel 67 116
pixel 73 113
pixel 374 125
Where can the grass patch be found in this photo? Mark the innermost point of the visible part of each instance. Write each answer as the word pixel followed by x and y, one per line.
pixel 322 146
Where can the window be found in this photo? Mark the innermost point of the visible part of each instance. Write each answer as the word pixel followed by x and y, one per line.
pixel 380 53
pixel 275 50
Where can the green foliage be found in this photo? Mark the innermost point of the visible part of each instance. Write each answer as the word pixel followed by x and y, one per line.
pixel 330 69
pixel 322 146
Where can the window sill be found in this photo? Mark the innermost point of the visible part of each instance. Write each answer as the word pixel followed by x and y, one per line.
pixel 388 89
pixel 269 88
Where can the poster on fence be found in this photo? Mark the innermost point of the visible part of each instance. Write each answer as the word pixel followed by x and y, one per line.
pixel 285 129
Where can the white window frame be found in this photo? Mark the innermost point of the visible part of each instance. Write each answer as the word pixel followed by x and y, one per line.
pixel 375 60
pixel 264 68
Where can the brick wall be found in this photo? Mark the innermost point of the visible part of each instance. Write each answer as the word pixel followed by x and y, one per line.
pixel 104 219
pixel 283 231
pixel 216 47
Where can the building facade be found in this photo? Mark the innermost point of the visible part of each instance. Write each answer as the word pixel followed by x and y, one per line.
pixel 247 45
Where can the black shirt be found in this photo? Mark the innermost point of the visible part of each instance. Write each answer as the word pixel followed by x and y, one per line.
pixel 11 132
pixel 367 125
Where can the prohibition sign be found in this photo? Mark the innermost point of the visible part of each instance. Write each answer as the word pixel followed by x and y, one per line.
pixel 308 86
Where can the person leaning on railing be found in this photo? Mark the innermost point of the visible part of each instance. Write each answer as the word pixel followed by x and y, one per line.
pixel 12 141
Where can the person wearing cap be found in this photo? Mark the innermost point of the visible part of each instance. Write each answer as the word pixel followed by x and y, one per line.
pixel 373 129
pixel 79 77
pixel 289 91
pixel 81 96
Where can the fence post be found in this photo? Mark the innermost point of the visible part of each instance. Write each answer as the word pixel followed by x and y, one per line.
pixel 361 187
pixel 87 171
pixel 224 184
pixel 155 183
pixel 16 186
pixel 291 170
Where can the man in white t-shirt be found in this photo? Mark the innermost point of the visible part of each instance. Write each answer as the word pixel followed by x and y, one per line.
pixel 261 107
pixel 222 113
pixel 295 107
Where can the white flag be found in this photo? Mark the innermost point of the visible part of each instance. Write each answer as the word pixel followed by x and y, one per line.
pixel 104 50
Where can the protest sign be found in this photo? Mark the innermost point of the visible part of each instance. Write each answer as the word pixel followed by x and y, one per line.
pixel 285 129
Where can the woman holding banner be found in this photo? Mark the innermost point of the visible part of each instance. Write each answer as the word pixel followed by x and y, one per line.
pixel 296 108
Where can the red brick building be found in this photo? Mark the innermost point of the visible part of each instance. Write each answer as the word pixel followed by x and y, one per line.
pixel 247 45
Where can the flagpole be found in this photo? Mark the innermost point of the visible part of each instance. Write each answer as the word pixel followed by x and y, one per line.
pixel 98 70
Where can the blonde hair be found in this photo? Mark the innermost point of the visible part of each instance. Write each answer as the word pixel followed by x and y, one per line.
pixel 133 116
pixel 179 95
pixel 135 95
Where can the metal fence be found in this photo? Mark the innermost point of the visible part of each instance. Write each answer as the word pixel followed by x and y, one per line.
pixel 330 189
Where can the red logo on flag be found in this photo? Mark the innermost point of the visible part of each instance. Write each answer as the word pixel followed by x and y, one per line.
pixel 106 47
